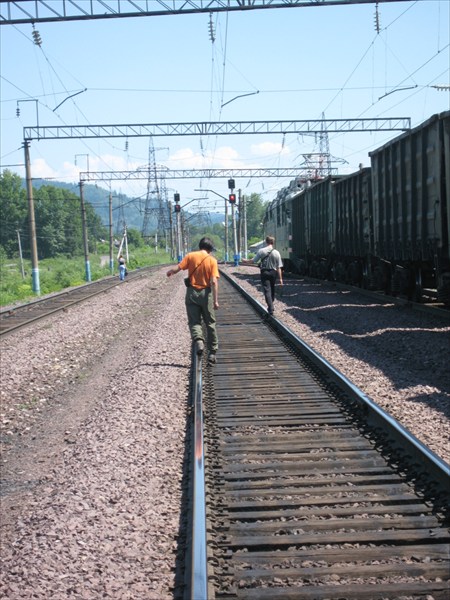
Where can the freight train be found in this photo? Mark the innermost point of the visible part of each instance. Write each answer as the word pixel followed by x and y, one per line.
pixel 385 227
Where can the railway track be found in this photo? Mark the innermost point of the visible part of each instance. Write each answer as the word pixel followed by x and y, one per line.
pixel 12 319
pixel 312 491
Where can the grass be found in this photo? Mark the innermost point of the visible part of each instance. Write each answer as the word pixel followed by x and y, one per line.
pixel 55 274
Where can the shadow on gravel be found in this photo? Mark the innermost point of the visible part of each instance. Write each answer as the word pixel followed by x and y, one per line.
pixel 401 344
pixel 182 560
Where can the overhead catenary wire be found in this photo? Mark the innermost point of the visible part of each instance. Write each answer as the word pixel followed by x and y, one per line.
pixel 394 88
pixel 70 94
pixel 205 150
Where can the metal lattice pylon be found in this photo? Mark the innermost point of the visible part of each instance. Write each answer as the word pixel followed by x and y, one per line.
pixel 156 197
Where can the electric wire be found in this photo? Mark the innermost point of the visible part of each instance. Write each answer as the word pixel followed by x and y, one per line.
pixel 394 88
pixel 69 93
pixel 339 90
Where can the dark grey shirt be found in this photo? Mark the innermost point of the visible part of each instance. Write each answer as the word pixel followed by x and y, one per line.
pixel 273 260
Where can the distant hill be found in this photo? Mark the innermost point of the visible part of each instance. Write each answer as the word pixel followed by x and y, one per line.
pixel 125 209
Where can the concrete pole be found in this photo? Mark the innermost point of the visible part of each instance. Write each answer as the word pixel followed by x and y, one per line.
pixel 172 241
pixel 85 234
pixel 226 231
pixel 179 247
pixel 32 222
pixel 244 220
pixel 111 237
pixel 235 245
pixel 20 255
pixel 125 237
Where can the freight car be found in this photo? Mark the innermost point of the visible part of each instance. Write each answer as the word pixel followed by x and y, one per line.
pixel 385 227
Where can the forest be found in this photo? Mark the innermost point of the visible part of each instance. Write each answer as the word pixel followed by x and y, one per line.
pixel 58 219
pixel 57 216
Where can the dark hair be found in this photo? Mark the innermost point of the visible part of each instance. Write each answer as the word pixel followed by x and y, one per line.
pixel 206 244
pixel 270 240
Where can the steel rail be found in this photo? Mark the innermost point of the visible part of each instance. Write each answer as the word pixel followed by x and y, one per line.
pixel 199 565
pixel 96 287
pixel 374 414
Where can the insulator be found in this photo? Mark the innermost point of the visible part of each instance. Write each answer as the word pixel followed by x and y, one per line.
pixel 17 112
pixel 212 35
pixel 126 146
pixel 36 37
pixel 377 19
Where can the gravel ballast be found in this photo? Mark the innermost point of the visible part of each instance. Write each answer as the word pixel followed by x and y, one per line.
pixel 94 409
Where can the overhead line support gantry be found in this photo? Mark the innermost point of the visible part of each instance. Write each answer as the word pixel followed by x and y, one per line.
pixel 14 12
pixel 203 128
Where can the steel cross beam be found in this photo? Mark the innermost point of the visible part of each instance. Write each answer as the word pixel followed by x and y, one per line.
pixel 59 132
pixel 13 12
pixel 198 173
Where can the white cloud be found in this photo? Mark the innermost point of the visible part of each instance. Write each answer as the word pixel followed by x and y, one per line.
pixel 223 157
pixel 269 149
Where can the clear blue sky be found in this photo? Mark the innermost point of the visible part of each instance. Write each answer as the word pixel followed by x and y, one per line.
pixel 302 61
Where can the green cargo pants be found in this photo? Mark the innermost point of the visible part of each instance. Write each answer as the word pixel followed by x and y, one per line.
pixel 200 306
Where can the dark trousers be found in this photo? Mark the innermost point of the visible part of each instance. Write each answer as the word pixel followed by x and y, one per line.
pixel 268 279
pixel 200 309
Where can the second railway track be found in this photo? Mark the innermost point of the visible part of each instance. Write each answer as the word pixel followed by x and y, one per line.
pixel 308 494
pixel 16 317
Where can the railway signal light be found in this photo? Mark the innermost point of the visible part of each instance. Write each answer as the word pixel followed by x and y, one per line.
pixel 232 198
pixel 231 185
pixel 177 208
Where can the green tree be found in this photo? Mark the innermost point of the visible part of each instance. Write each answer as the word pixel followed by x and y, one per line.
pixel 13 213
pixel 51 214
pixel 134 237
pixel 59 228
pixel 255 209
pixel 96 230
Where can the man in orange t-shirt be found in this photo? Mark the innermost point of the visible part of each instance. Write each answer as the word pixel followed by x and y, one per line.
pixel 202 295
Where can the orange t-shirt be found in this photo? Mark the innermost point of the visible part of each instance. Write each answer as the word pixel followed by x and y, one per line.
pixel 201 267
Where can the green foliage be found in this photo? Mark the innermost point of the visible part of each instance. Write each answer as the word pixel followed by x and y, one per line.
pixel 135 238
pixel 57 219
pixel 13 212
pixel 60 272
pixel 146 256
pixel 256 209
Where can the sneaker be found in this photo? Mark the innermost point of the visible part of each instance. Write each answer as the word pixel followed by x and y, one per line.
pixel 212 358
pixel 199 347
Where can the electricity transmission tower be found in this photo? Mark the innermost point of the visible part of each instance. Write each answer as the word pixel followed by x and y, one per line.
pixel 324 148
pixel 319 164
pixel 156 198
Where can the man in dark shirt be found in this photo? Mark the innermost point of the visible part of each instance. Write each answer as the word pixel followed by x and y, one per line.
pixel 270 263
